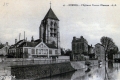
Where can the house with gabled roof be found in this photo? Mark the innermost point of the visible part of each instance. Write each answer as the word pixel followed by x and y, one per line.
pixel 34 49
pixel 99 51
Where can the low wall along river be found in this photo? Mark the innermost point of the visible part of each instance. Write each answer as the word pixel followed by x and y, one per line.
pixel 45 70
pixel 40 71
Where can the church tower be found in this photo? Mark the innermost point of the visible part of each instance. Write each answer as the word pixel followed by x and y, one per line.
pixel 49 29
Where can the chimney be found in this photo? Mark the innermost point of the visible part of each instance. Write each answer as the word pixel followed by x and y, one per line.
pixel 26 38
pixel 81 36
pixel 91 45
pixel 15 41
pixel 74 38
pixel 7 43
pixel 32 39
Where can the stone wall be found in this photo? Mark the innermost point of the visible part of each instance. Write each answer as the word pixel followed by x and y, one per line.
pixel 40 71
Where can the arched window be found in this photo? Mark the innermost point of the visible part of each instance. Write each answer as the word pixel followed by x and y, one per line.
pixel 39 51
pixel 51 23
pixel 46 51
pixel 36 51
pixel 55 24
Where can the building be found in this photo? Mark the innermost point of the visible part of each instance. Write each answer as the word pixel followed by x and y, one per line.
pixel 117 55
pixel 4 49
pixel 48 44
pixel 49 29
pixel 15 51
pixel 91 52
pixel 79 47
pixel 99 51
pixel 33 49
pixel 90 49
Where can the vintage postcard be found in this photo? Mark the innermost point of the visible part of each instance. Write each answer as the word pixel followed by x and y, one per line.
pixel 59 39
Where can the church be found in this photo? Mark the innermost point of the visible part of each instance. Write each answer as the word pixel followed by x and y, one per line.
pixel 49 29
pixel 48 44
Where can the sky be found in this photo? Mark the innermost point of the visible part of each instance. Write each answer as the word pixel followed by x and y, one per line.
pixel 91 22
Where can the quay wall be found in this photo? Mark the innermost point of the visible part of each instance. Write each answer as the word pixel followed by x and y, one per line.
pixel 40 71
pixel 46 70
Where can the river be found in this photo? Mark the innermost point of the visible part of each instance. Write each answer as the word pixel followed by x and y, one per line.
pixel 96 73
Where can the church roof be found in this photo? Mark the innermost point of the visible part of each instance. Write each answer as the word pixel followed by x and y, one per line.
pixel 50 14
pixel 51 46
pixel 23 43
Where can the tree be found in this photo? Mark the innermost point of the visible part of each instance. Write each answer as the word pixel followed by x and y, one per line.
pixel 110 56
pixel 62 51
pixel 108 45
pixel 68 52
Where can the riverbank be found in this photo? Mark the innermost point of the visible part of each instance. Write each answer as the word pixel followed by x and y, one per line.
pixel 40 71
pixel 36 70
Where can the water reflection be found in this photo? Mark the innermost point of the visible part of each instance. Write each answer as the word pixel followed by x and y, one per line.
pixel 65 76
pixel 95 74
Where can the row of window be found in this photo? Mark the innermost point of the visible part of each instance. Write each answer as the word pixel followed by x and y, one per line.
pixel 38 51
pixel 53 30
pixel 41 51
pixel 14 51
pixel 78 46
pixel 53 35
pixel 53 23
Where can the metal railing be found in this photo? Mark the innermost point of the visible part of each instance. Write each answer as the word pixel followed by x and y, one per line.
pixel 33 62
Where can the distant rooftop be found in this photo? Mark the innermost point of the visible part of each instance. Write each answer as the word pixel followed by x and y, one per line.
pixel 79 39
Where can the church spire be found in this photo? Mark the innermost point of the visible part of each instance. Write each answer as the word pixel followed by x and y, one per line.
pixel 50 4
pixel 50 14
